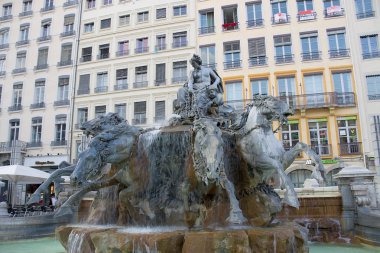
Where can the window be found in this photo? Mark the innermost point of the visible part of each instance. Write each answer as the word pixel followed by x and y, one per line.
pixel 84 84
pixel 45 29
pixel 100 110
pixel 20 60
pixel 104 51
pixel 60 130
pixel 101 82
pixel 343 88
pixel 49 4
pixel 283 48
pixel 86 54
pixel 141 77
pixel 4 37
pixel 24 33
pixel 63 89
pixel 333 8
pixel 179 10
pixel 1 93
pixel 364 9
pixel 290 134
pixel 179 71
pixel 124 20
pixel 105 23
pixel 314 90
pixel 7 10
pixel 309 42
pixel 121 79
pixel 142 45
pixel 179 39
pixel 337 43
pixel 207 24
pixel 17 95
pixel 259 86
pixel 39 93
pixel 234 94
pixel 299 176
pixel 232 55
pixel 42 60
pixel 279 12
pixel 66 54
pixel 2 64
pixel 89 27
pixel 257 52
pixel 122 48
pixel 304 5
pixel 68 24
pixel 161 13
pixel 143 16
pixel 14 127
pixel 161 42
pixel 348 136
pixel 159 114
pixel 373 87
pixel 121 110
pixel 230 18
pixel 36 132
pixel 319 140
pixel 27 6
pixel 287 89
pixel 139 113
pixel 107 2
pixel 208 55
pixel 160 74
pixel 254 14
pixel 370 47
pixel 91 4
pixel 82 116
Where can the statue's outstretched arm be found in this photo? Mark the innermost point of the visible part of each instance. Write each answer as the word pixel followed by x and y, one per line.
pixel 215 77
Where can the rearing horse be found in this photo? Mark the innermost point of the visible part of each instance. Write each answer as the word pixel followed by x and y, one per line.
pixel 263 151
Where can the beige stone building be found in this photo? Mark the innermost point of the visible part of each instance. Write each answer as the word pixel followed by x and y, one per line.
pixel 298 51
pixel 37 39
pixel 133 57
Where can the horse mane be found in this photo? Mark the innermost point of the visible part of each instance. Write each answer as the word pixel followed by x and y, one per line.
pixel 242 118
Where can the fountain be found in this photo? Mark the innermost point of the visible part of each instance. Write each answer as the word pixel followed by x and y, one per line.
pixel 197 184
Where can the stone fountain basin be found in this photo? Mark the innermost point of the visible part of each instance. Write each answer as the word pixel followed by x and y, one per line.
pixel 287 237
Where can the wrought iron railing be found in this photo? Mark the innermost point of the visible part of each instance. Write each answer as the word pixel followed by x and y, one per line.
pixel 101 89
pixel 311 56
pixel 160 82
pixel 34 144
pixel 141 50
pixel 44 38
pixel 230 26
pixel 62 102
pixel 14 108
pixel 122 53
pixel 281 59
pixel 86 58
pixel 65 63
pixel 232 64
pixel 68 33
pixel 58 143
pixel 339 53
pixel 366 14
pixel 37 105
pixel 139 121
pixel 206 30
pixel 179 79
pixel 255 23
pixel 123 86
pixel 369 55
pixel 41 66
pixel 179 44
pixel 142 84
pixel 258 61
pixel 353 148
pixel 322 149
pixel 25 13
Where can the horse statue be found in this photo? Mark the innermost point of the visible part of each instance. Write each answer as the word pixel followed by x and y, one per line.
pixel 263 151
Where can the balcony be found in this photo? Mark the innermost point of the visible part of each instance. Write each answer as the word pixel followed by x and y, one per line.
pixel 6 17
pixel 179 44
pixel 2 73
pixel 36 144
pixel 139 120
pixel 4 46
pixel 7 147
pixel 14 108
pixel 101 89
pixel 19 71
pixel 62 102
pixel 123 86
pixel 230 26
pixel 206 30
pixel 306 15
pixel 339 53
pixel 320 100
pixel 25 14
pixel 374 97
pixel 103 56
pixel 367 14
pixel 68 33
pixel 311 56
pixel 255 23
pixel 141 50
pixel 22 42
pixel 283 59
pixel 179 79
pixel 142 84
pixel 70 3
pixel 258 61
pixel 86 58
pixel 374 54
pixel 334 11
pixel 160 82
pixel 322 149
pixel 44 38
pixel 232 64
pixel 37 105
pixel 280 18
pixel 47 8
pixel 353 148
pixel 58 143
pixel 122 53
pixel 41 67
pixel 65 63
pixel 83 91
pixel 160 47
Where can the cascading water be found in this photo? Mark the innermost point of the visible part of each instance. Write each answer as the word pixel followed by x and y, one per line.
pixel 75 242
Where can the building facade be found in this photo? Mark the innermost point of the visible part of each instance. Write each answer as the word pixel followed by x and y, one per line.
pixel 297 50
pixel 133 57
pixel 36 65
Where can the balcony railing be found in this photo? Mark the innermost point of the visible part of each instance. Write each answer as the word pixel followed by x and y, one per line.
pixel 123 86
pixel 37 105
pixel 258 61
pixel 353 148
pixel 160 47
pixel 179 79
pixel 206 30
pixel 306 16
pixel 179 44
pixel 101 89
pixel 22 42
pixel 374 54
pixel 141 50
pixel 25 13
pixel 14 108
pixel 67 33
pixel 122 53
pixel 65 63
pixel 2 73
pixel 282 59
pixel 103 56
pixel 70 3
pixel 255 23
pixel 139 120
pixel 41 66
pixel 19 70
pixel 86 58
pixel 374 97
pixel 232 64
pixel 35 144
pixel 142 84
pixel 44 38
pixel 337 13
pixel 62 102
pixel 4 46
pixel 7 17
pixel 6 147
pixel 83 91
pixel 311 56
pixel 281 20
pixel 58 143
pixel 339 53
pixel 47 8
pixel 230 26
pixel 321 150
pixel 367 14
pixel 159 82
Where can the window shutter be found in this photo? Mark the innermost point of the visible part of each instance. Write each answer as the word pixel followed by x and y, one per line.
pixel 336 30
pixel 309 34
pixel 105 23
pixel 69 19
pixel 62 81
pixel 160 72
pixel 282 40
pixel 140 107
pixel 121 74
pixel 160 109
pixel 256 47
pixel 84 83
pixel 141 70
pixel 161 13
pixel 87 51
pixel 231 46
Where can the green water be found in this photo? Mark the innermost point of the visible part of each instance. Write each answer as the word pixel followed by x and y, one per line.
pixel 51 245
